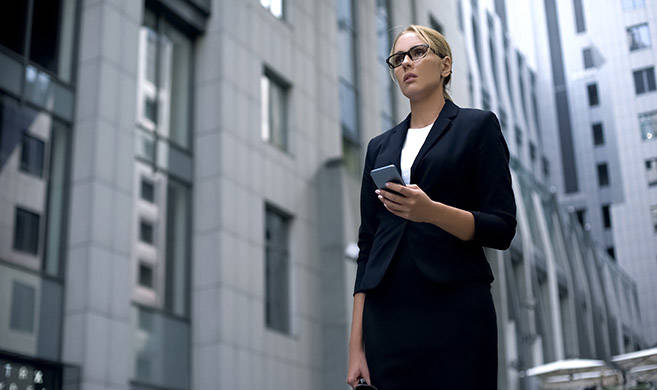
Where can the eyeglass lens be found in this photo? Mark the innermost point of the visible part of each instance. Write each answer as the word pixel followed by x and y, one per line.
pixel 414 53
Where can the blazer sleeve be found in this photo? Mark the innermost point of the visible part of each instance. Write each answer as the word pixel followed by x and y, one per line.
pixel 495 221
pixel 369 206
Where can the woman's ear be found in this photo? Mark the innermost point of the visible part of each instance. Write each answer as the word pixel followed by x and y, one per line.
pixel 447 66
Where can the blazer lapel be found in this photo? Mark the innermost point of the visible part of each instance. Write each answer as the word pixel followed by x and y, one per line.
pixel 440 126
pixel 392 151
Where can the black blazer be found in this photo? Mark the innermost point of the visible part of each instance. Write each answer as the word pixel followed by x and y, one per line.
pixel 464 163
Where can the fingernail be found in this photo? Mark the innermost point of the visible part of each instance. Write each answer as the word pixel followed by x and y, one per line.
pixel 377 191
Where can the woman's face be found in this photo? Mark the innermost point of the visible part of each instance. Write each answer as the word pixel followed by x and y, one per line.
pixel 421 77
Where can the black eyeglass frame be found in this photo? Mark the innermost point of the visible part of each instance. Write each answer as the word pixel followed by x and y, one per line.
pixel 408 53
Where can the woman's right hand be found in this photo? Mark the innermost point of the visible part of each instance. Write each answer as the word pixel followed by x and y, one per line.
pixel 357 367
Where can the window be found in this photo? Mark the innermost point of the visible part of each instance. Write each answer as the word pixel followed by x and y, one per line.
pixel 518 137
pixel 49 27
pixel 537 123
pixel 459 10
pixel 274 99
pixel 653 214
pixel 491 49
pixel 485 99
pixel 477 45
pixel 521 83
pixel 651 171
pixel 581 216
pixel 532 152
pixel 146 275
pixel 580 26
pixel 546 167
pixel 347 88
pixel 164 103
pixel 507 69
pixel 592 90
pixel 26 231
pixel 648 125
pixel 633 4
pixel 503 119
pixel 644 80
pixel 276 7
pixel 587 55
pixel 32 155
pixel 598 136
pixel 611 252
pixel 23 300
pixel 638 37
pixel 277 270
pixel 147 190
pixel 435 24
pixel 603 175
pixel 386 84
pixel 606 217
pixel 146 233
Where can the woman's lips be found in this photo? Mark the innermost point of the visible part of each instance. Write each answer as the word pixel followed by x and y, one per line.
pixel 409 77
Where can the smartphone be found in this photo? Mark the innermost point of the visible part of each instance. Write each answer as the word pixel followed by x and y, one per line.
pixel 385 174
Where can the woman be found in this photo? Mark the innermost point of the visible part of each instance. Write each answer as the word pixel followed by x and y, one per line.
pixel 423 312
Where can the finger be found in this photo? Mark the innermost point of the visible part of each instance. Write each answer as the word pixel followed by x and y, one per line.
pixel 391 197
pixel 394 186
pixel 394 207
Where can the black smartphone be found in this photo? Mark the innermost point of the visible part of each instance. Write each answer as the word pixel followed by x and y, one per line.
pixel 385 174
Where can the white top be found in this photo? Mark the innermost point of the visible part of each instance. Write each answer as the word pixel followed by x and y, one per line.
pixel 414 140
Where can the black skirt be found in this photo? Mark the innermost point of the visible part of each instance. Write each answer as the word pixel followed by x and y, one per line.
pixel 422 335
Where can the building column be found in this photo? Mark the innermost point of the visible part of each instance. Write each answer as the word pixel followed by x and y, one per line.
pixel 97 326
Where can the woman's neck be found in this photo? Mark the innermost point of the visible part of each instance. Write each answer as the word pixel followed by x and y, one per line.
pixel 424 111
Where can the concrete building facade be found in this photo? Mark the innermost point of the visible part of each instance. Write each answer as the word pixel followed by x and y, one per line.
pixel 608 149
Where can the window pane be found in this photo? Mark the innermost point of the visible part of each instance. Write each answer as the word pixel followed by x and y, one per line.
pixel 178 47
pixel 580 26
pixel 606 217
pixel 277 311
pixel 278 115
pixel 45 33
pixel 32 155
pixel 145 275
pixel 348 111
pixel 264 107
pixel 145 145
pixel 147 190
pixel 603 175
pixel 177 248
pixel 598 137
pixel 592 90
pixel 638 36
pixel 648 125
pixel 587 53
pixel 57 192
pixel 346 55
pixel 23 299
pixel 146 233
pixel 26 231
pixel 161 349
pixel 11 72
pixel 651 171
pixel 12 25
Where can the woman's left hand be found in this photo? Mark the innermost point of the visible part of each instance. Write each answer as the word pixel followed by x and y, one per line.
pixel 415 205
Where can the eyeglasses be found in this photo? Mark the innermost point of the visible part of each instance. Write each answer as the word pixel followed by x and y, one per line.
pixel 415 53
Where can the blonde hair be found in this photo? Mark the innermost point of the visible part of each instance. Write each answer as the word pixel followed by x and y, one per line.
pixel 436 42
